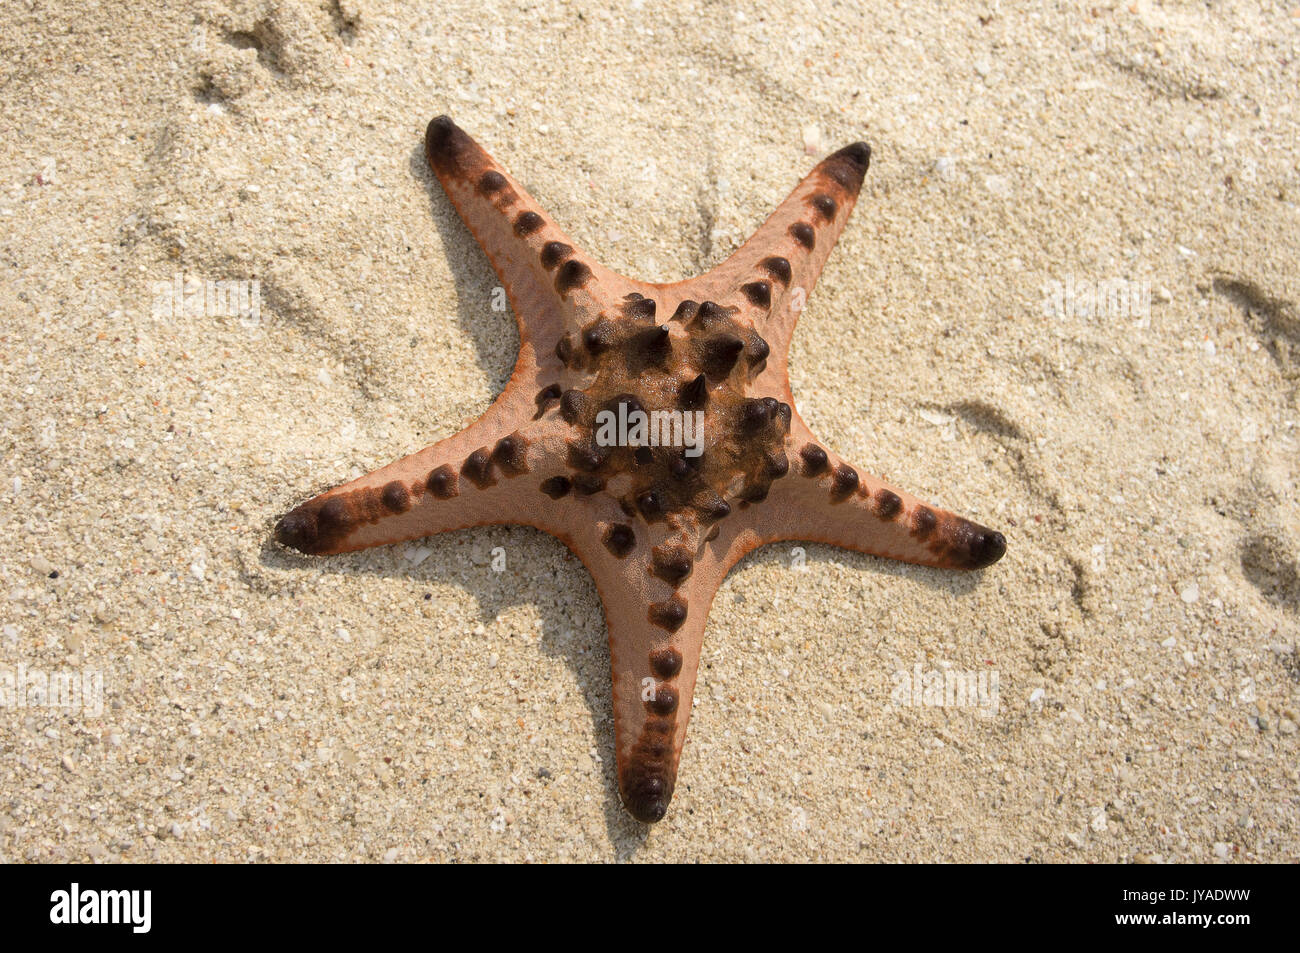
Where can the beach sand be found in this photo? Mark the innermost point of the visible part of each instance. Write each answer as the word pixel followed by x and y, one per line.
pixel 1137 643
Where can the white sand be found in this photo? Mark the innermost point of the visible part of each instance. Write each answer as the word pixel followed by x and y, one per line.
pixel 411 703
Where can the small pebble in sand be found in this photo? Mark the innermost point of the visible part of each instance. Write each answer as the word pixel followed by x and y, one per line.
pixel 812 141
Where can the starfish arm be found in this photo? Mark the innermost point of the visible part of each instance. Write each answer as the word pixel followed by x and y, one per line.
pixel 824 499
pixel 770 277
pixel 547 279
pixel 656 597
pixel 503 468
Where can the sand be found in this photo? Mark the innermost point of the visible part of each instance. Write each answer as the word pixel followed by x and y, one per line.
pixel 414 703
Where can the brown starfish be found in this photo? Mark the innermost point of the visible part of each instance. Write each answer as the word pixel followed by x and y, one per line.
pixel 657 526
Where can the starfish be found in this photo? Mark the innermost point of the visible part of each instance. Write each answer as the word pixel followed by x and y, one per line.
pixel 657 523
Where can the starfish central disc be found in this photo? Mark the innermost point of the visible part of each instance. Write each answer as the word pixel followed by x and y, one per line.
pixel 663 414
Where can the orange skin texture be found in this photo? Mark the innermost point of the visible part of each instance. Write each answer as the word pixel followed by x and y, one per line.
pixel 657 529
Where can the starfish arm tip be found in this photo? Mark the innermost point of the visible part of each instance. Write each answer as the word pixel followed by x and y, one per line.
pixel 848 166
pixel 306 528
pixel 858 153
pixel 983 547
pixel 441 140
pixel 648 803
